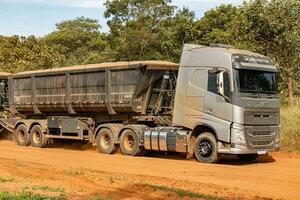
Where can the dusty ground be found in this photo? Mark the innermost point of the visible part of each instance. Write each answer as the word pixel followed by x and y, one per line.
pixel 85 174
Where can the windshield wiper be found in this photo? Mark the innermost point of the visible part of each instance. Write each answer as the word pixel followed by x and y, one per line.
pixel 267 92
pixel 251 91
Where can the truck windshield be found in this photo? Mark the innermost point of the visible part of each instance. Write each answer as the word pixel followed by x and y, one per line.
pixel 254 81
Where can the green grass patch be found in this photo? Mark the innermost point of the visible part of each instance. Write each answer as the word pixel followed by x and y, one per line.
pixel 5 180
pixel 48 189
pixel 290 127
pixel 5 195
pixel 184 193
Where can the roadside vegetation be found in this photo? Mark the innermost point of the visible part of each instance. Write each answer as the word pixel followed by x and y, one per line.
pixel 183 193
pixel 290 127
pixel 6 195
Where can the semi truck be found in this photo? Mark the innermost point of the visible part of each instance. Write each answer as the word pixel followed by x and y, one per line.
pixel 218 100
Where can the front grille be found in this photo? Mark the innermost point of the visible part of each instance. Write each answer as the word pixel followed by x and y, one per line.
pixel 261 137
pixel 261 143
pixel 261 133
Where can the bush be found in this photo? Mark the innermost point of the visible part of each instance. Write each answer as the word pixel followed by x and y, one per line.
pixel 290 127
pixel 5 195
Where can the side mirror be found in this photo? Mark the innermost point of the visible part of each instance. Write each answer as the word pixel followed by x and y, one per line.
pixel 223 84
pixel 220 83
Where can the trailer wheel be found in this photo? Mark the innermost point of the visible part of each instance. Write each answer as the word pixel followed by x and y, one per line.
pixel 206 150
pixel 129 143
pixel 37 137
pixel 21 136
pixel 105 141
pixel 247 157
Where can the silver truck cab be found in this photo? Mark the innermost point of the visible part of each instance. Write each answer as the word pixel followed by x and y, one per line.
pixel 232 93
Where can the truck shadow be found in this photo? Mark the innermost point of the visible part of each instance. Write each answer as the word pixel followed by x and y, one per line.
pixel 233 160
pixel 225 159
pixel 71 145
pixel 5 135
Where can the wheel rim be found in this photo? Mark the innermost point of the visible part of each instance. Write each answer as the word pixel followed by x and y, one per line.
pixel 36 137
pixel 21 136
pixel 129 142
pixel 105 141
pixel 205 148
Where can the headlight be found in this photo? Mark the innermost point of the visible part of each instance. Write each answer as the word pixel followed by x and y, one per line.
pixel 238 136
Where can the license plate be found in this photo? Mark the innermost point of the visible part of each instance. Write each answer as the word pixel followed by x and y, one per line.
pixel 261 152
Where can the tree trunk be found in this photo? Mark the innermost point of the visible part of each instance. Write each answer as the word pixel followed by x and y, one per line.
pixel 290 89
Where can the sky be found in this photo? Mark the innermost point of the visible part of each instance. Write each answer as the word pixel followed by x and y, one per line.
pixel 38 17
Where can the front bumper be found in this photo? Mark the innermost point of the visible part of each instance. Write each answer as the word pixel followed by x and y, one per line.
pixel 235 151
pixel 251 140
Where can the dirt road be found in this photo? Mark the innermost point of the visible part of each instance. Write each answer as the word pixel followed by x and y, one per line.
pixel 84 174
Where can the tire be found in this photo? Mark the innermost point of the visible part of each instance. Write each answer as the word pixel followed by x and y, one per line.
pixel 206 149
pixel 247 157
pixel 21 136
pixel 37 137
pixel 129 143
pixel 105 141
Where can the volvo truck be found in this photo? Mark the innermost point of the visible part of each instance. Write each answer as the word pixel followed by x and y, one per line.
pixel 218 100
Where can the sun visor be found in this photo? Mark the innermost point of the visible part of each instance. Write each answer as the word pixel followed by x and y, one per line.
pixel 254 66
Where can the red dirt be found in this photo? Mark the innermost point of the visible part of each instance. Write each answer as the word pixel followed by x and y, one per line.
pixel 85 174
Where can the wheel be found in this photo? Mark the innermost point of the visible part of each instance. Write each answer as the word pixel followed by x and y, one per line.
pixel 37 137
pixel 21 136
pixel 129 143
pixel 206 150
pixel 105 141
pixel 247 157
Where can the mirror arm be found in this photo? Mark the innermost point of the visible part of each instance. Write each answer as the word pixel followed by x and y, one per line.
pixel 226 98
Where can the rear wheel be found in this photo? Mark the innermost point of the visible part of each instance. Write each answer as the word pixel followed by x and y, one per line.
pixel 247 157
pixel 206 150
pixel 37 137
pixel 21 136
pixel 105 141
pixel 129 143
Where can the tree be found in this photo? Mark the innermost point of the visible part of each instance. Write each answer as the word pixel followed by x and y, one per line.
pixel 26 53
pixel 134 25
pixel 174 33
pixel 273 28
pixel 79 41
pixel 216 25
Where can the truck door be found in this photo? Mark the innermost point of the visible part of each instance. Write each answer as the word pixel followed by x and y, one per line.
pixel 217 106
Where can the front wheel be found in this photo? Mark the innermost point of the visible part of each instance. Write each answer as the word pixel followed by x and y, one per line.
pixel 129 143
pixel 206 150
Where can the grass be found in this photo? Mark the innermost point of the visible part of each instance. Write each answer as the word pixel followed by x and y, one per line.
pixel 5 195
pixel 48 189
pixel 184 193
pixel 75 172
pixel 6 180
pixel 101 198
pixel 290 127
